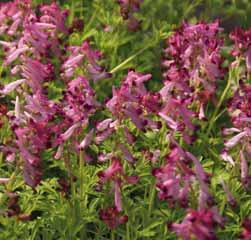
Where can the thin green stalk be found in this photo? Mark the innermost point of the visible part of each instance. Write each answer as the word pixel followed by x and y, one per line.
pixel 1 70
pixel 121 65
pixel 218 106
pixel 81 168
pixel 127 232
pixel 81 176
pixel 151 198
pixel 72 15
pixel 112 235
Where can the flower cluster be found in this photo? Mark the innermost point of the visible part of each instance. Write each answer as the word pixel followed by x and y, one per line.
pixel 36 58
pixel 192 64
pixel 239 110
pixel 242 45
pixel 127 10
pixel 198 224
pixel 175 178
pixel 133 101
pixel 116 176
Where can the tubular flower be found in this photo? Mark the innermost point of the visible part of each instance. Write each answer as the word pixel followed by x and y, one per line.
pixel 112 217
pixel 133 101
pixel 194 59
pixel 37 40
pixel 191 66
pixel 246 229
pixel 242 45
pixel 198 224
pixel 239 110
pixel 174 178
pixel 83 54
pixel 115 174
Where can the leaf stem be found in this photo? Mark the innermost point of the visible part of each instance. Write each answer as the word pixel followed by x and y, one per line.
pixel 121 65
pixel 219 104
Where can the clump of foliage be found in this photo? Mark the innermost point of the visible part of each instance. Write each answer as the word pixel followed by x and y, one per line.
pixel 115 121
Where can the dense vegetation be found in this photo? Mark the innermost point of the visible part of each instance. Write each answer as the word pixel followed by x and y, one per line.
pixel 125 119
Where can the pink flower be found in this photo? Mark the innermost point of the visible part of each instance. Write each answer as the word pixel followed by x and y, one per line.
pixel 248 59
pixel 87 140
pixel 11 86
pixel 115 174
pixel 174 179
pixel 133 101
pixel 246 229
pixel 53 14
pixel 198 225
pixel 112 217
pixel 245 178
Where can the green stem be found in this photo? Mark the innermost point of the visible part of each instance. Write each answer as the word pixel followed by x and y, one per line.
pixel 1 70
pixel 121 65
pixel 112 235
pixel 81 168
pixel 127 232
pixel 151 198
pixel 218 106
pixel 81 176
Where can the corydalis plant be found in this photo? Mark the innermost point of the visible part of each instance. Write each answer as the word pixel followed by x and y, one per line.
pixel 40 123
pixel 191 67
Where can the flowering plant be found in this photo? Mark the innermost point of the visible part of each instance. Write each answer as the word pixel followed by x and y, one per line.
pixel 122 127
